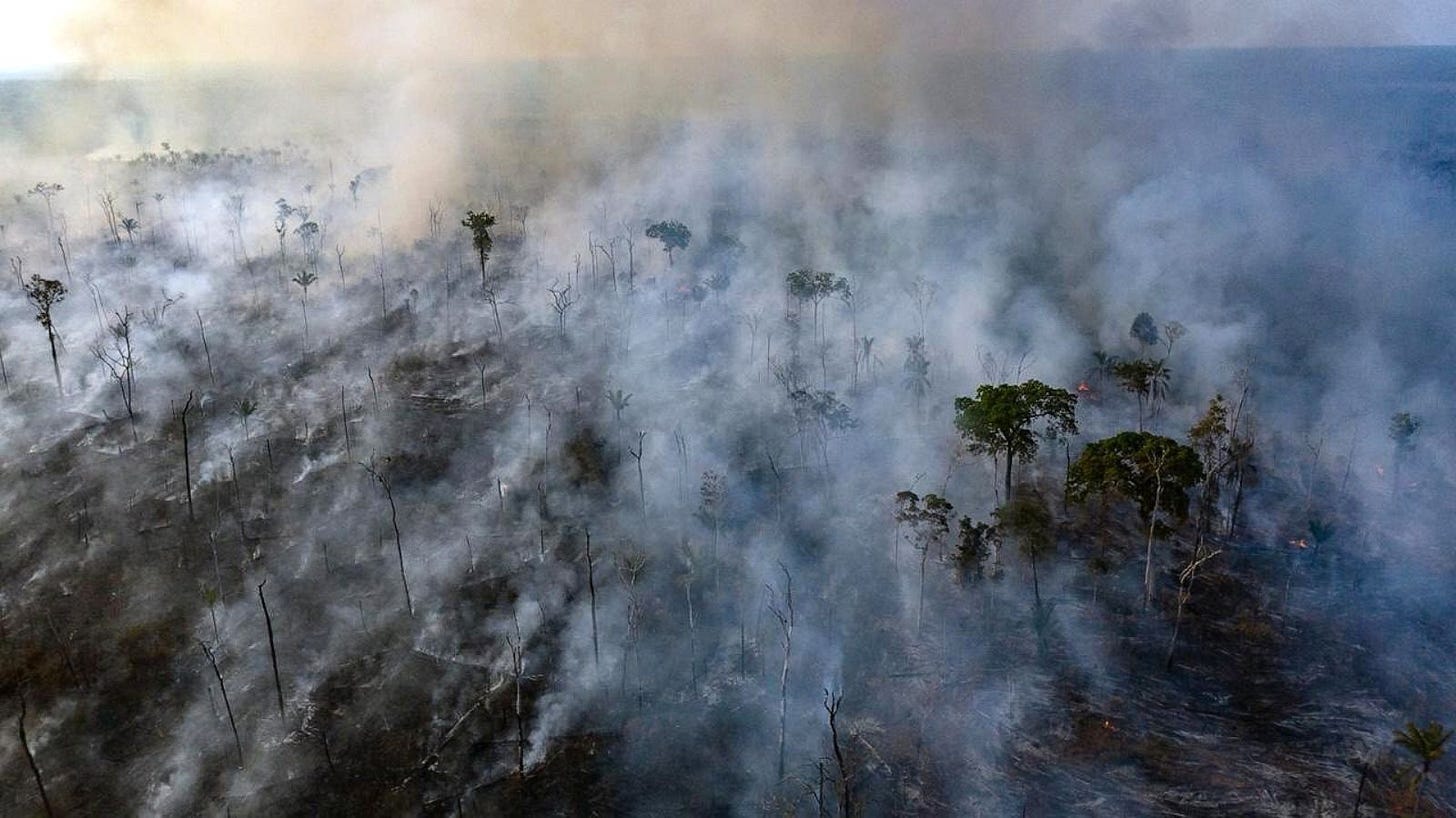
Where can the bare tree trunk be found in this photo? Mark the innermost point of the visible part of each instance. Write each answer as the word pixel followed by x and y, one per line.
pixel 920 609
pixel 518 668
pixel 211 375
pixel 831 706
pixel 1152 527
pixel 641 484
pixel 55 362
pixel 692 637
pixel 1009 459
pixel 237 742
pixel 30 759
pixel 344 408
pixel 1035 581
pixel 591 585
pixel 399 550
pixel 785 617
pixel 398 541
pixel 187 454
pixel 272 648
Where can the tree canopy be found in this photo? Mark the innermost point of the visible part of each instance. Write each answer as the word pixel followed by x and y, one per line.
pixel 1144 330
pixel 673 235
pixel 997 421
pixel 1152 471
pixel 479 224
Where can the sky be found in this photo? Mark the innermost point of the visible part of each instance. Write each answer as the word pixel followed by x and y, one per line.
pixel 103 34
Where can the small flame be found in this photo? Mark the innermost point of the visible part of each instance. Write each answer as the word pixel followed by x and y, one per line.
pixel 1083 387
pixel 1109 726
pixel 1300 543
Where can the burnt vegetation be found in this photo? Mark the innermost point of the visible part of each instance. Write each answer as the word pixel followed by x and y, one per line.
pixel 616 531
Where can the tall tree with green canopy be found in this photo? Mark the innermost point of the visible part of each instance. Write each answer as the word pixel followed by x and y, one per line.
pixel 814 286
pixel 44 294
pixel 997 421
pixel 479 224
pixel 673 235
pixel 929 525
pixel 1152 471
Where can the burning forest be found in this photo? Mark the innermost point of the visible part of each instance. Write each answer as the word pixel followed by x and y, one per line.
pixel 854 413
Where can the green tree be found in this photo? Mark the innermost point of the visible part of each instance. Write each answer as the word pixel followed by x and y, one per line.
pixel 1028 520
pixel 1428 745
pixel 479 224
pixel 928 521
pixel 1151 471
pixel 1144 330
pixel 44 294
pixel 814 286
pixel 975 543
pixel 997 421
pixel 673 235
pixel 1212 438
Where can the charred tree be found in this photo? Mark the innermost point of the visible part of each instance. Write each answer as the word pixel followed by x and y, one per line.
pixel 30 759
pixel 226 703
pixel 272 648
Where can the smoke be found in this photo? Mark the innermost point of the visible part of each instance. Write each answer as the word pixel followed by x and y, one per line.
pixel 1014 209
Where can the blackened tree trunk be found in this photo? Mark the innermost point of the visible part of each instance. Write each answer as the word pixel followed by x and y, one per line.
pixel 238 742
pixel 187 454
pixel 591 585
pixel 272 648
pixel 30 759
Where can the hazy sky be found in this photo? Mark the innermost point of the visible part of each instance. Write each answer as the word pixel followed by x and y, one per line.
pixel 112 34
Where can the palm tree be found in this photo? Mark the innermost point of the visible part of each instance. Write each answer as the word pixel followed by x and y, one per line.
pixel 1145 378
pixel 619 401
pixel 1427 744
pixel 1104 366
pixel 245 409
pixel 1158 376
pixel 305 279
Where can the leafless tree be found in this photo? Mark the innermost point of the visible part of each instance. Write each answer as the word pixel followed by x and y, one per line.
pixel 831 707
pixel 388 487
pixel 47 191
pixel 785 615
pixel 117 356
pixel 272 647
pixel 206 350
pixel 227 704
pixel 30 759
pixel 641 485
pixel 517 649
pixel 186 451
pixel 561 301
pixel 630 566
pixel 1201 554
pixel 591 585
